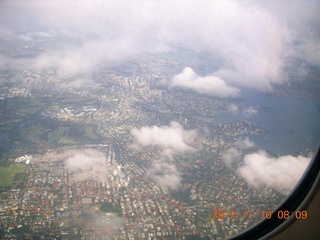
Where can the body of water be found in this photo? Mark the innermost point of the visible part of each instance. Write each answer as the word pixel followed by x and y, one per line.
pixel 292 124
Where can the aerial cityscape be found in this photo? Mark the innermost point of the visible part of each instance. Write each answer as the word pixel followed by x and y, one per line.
pixel 116 123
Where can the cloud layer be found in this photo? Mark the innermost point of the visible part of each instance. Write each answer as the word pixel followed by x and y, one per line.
pixel 209 85
pixel 254 39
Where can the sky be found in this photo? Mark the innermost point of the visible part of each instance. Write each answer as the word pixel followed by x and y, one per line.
pixel 256 40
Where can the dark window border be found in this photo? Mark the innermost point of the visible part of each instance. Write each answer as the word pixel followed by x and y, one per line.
pixel 299 199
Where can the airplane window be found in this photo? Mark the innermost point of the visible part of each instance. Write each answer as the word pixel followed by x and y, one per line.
pixel 296 203
pixel 157 119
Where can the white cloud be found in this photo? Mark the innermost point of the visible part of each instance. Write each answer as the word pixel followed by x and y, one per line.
pixel 25 38
pixel 253 39
pixel 109 223
pixel 250 111
pixel 310 50
pixel 82 58
pixel 84 163
pixel 78 83
pixel 233 108
pixel 6 33
pixel 234 154
pixel 261 169
pixel 165 174
pixel 171 139
pixel 210 85
pixel 303 22
pixel 231 155
pixel 246 112
pixel 41 34
pixel 281 173
pixel 244 143
pixel 88 163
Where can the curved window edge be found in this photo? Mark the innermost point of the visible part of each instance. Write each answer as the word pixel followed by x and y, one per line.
pixel 299 198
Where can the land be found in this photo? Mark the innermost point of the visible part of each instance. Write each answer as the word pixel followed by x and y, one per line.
pixel 44 198
pixel 7 175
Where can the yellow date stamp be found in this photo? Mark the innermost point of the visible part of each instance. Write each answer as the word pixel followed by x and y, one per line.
pixel 265 214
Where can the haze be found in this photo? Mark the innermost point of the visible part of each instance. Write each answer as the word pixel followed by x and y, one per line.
pixel 256 41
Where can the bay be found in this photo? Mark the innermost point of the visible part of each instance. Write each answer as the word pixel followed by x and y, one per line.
pixel 292 123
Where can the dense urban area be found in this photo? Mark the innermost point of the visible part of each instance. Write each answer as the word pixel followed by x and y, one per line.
pixel 116 188
pixel 157 120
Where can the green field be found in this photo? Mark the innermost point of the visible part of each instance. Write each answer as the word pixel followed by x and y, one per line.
pixel 25 131
pixel 83 101
pixel 7 174
pixel 67 141
pixel 55 135
pixel 89 132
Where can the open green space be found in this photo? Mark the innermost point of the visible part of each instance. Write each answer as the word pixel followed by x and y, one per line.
pixel 29 110
pixel 77 101
pixel 5 128
pixel 66 141
pixel 55 135
pixel 24 131
pixel 71 134
pixel 59 133
pixel 7 174
pixel 109 207
pixel 22 229
pixel 23 106
pixel 36 131
pixel 89 132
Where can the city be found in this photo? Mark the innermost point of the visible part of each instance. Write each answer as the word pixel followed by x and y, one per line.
pixel 127 202
pixel 156 120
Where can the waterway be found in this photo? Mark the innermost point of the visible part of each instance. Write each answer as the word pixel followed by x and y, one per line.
pixel 292 123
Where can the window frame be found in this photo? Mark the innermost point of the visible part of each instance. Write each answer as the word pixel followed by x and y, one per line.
pixel 299 198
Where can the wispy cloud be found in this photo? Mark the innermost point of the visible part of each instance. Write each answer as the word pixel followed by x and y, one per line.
pixel 255 40
pixel 250 111
pixel 171 140
pixel 232 108
pixel 84 164
pixel 165 174
pixel 244 143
